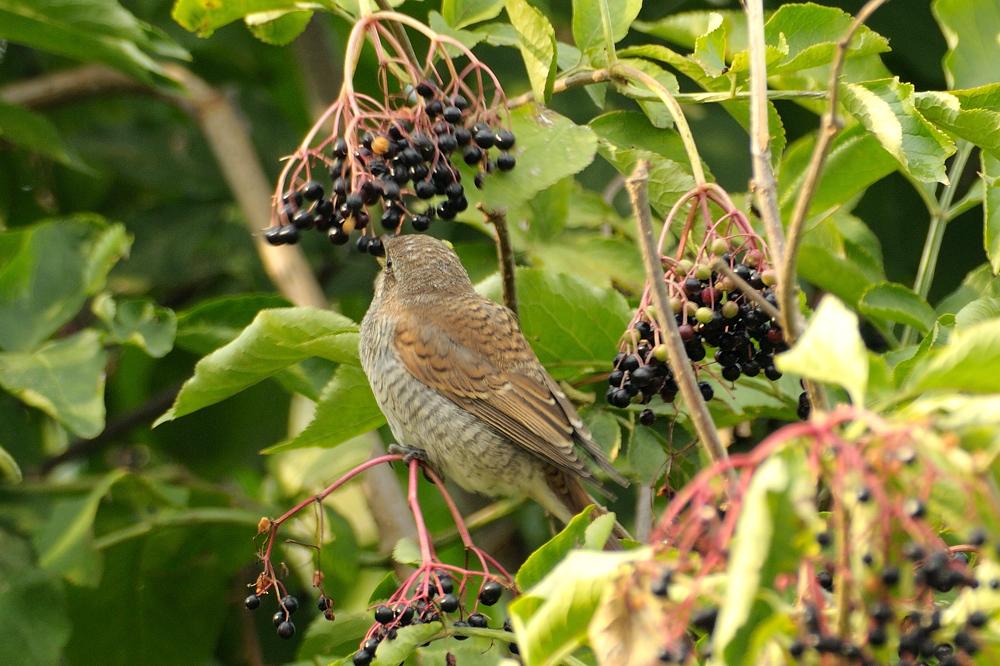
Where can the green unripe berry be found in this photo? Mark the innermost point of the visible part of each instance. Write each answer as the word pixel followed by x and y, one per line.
pixel 690 309
pixel 702 272
pixel 730 309
pixel 651 313
pixel 660 353
pixel 753 258
pixel 769 277
pixel 704 315
pixel 719 247
pixel 676 305
pixel 684 266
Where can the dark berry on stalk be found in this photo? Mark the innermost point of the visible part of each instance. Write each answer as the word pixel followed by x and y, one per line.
pixel 914 508
pixel 364 242
pixel 707 392
pixel 977 538
pixel 361 220
pixel 434 108
pixel 288 234
pixel 825 580
pixel 647 417
pixel 506 162
pixel 478 620
pixel 324 603
pixel 863 495
pixel 796 649
pixel 490 593
pixel 479 180
pixel 484 139
pixel 504 139
pixel 354 202
pixel 823 539
pixel 390 190
pixel 370 645
pixel 686 331
pixel 340 148
pixel 375 248
pixel 472 155
pixel 445 212
pixel 406 616
pixel 286 630
pixel 692 286
pixel 362 658
pixel 424 190
pixel 312 191
pixel 459 637
pixel 452 114
pixel 384 615
pixel 447 144
pixel 732 372
pixel 448 603
pixel 750 368
pixel 877 636
pixel 890 575
pixel 977 619
pixel 304 220
pixel 338 236
pixel 804 406
pixel 882 613
pixel 629 363
pixel 421 222
pixel 756 281
pixel 705 619
pixel 616 377
pixel 340 187
pixel 273 236
pixel 426 89
pixel 454 190
pixel 252 602
pixel 391 218
pixel 463 136
pixel 622 399
pixel 642 376
pixel 695 350
pixel 772 373
pixel 294 198
pixel 279 617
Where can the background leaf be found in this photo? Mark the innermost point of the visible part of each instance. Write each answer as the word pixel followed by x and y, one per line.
pixel 970 27
pixel 537 41
pixel 888 301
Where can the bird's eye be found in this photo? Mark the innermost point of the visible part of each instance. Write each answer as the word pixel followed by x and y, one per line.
pixel 388 263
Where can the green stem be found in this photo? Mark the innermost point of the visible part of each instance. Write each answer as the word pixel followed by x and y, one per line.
pixel 609 38
pixel 941 214
pixel 206 516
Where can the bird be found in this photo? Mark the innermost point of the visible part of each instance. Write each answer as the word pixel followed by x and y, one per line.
pixel 463 390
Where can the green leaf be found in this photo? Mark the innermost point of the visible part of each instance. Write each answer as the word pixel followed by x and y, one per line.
pixel 33 618
pixel 342 636
pixel 841 255
pixel 769 541
pixel 970 27
pixel 588 24
pixel 537 40
pixel 215 322
pixel 408 639
pixel 206 17
pixel 937 337
pixel 651 105
pixel 552 552
pixel 9 467
pixel 684 28
pixel 990 174
pixel 572 325
pixel 64 379
pixel 461 13
pixel 46 273
pixel 710 48
pixel 275 340
pixel 980 310
pixel 137 322
pixel 33 131
pixel 549 148
pixel 279 26
pixel 885 108
pixel 889 301
pixel 973 115
pixel 91 30
pixel 811 33
pixel 65 541
pixel 384 590
pixel 647 453
pixel 970 361
pixel 346 409
pixel 830 350
pixel 406 551
pixel 551 618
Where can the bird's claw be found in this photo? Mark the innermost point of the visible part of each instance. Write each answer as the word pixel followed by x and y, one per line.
pixel 409 453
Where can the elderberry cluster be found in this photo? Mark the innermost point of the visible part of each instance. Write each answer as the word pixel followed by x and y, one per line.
pixel 439 600
pixel 283 616
pixel 405 164
pixel 711 312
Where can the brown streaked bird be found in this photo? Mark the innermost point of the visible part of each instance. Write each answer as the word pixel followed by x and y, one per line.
pixel 461 387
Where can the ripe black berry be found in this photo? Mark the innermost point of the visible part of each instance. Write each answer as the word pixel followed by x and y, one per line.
pixel 490 593
pixel 459 637
pixel 707 392
pixel 890 575
pixel 796 649
pixel 504 139
pixel 977 619
pixel 647 417
pixel 914 508
pixel 772 373
pixel 286 630
pixel 273 236
pixel 472 155
pixel 370 645
pixel 506 162
pixel 424 189
pixel 421 223
pixel 338 236
pixel 303 220
pixel 252 602
pixel 877 636
pixel 279 617
pixel 478 620
pixel 452 114
pixel 732 372
pixel 484 139
pixel 448 603
pixel 324 603
pixel 384 615
pixel 362 658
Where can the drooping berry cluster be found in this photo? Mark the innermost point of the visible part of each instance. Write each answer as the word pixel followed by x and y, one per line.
pixel 394 159
pixel 711 310
pixel 433 600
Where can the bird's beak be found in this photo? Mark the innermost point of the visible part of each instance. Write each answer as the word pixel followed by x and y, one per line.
pixel 381 261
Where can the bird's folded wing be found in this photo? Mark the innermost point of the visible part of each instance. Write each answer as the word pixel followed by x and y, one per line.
pixel 497 378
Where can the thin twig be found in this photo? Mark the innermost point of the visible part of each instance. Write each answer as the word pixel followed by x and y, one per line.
pixel 830 126
pixel 505 255
pixel 636 184
pixel 400 34
pixel 577 80
pixel 751 293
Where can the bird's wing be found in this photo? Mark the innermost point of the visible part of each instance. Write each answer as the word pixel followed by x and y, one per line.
pixel 476 355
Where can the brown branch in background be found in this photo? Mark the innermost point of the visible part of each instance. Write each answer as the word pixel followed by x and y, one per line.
pixel 64 86
pixel 636 184
pixel 505 255
pixel 321 67
pixel 830 126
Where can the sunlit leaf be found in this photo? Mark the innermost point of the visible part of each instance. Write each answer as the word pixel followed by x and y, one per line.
pixel 537 40
pixel 970 27
pixel 889 301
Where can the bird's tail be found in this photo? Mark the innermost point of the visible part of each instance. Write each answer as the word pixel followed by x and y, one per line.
pixel 574 498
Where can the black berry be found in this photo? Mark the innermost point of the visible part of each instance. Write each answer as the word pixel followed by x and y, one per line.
pixel 448 603
pixel 490 593
pixel 384 615
pixel 707 392
pixel 286 630
pixel 362 658
pixel 506 162
pixel 252 602
pixel 478 620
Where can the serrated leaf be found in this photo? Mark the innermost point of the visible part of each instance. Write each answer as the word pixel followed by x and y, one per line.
pixel 889 301
pixel 205 18
pixel 812 32
pixel 572 325
pixel 830 350
pixel 346 409
pixel 91 30
pixel 710 48
pixel 279 26
pixel 970 28
pixel 549 148
pixel 461 13
pixel 537 41
pixel 937 337
pixel 137 322
pixel 64 379
pixel 599 531
pixel 210 324
pixel 552 552
pixel 973 115
pixel 408 639
pixel 970 361
pixel 990 175
pixel 275 340
pixel 684 28
pixel 406 551
pixel 33 131
pixel 384 590
pixel 588 24
pixel 46 273
pixel 886 109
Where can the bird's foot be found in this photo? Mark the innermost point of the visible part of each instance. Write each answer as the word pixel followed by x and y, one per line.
pixel 409 453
